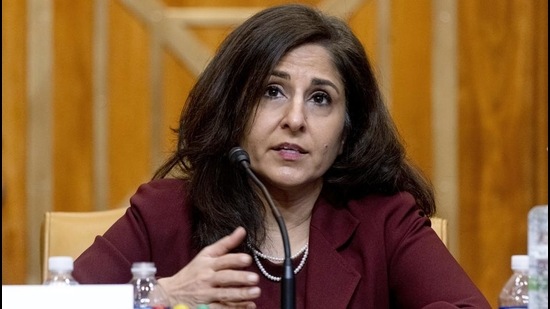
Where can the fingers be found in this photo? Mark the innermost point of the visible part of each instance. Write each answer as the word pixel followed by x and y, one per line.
pixel 216 276
pixel 233 305
pixel 227 278
pixel 226 305
pixel 236 295
pixel 226 244
pixel 232 260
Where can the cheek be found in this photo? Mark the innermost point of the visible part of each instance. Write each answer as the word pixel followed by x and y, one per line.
pixel 250 129
pixel 255 133
pixel 334 144
pixel 333 148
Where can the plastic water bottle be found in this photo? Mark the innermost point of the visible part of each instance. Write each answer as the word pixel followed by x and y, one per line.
pixel 538 257
pixel 515 293
pixel 147 292
pixel 60 271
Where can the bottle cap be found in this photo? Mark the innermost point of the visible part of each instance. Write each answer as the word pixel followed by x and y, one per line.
pixel 60 263
pixel 144 268
pixel 520 262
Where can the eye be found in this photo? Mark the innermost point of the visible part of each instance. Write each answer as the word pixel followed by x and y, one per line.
pixel 321 98
pixel 273 91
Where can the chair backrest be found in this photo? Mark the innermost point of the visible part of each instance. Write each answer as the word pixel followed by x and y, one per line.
pixel 440 227
pixel 70 233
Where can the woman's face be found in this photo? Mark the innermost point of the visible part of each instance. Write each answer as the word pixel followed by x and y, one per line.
pixel 297 130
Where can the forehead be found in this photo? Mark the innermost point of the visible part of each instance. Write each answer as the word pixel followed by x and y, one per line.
pixel 308 52
pixel 310 58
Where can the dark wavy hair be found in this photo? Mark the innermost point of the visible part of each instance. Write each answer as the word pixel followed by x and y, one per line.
pixel 226 94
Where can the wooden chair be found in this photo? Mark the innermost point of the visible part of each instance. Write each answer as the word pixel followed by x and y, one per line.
pixel 440 227
pixel 70 233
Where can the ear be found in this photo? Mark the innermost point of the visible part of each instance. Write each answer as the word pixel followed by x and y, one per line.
pixel 341 146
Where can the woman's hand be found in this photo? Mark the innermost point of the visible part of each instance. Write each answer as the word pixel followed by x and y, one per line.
pixel 214 277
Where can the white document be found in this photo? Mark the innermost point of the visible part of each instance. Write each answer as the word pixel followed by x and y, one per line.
pixel 83 296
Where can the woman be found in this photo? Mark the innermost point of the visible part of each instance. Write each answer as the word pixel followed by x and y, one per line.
pixel 294 88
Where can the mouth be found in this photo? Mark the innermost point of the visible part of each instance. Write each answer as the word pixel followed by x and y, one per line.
pixel 290 147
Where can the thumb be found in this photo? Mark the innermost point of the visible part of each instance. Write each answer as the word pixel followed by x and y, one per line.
pixel 226 244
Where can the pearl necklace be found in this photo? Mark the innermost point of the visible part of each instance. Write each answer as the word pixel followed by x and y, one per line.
pixel 257 254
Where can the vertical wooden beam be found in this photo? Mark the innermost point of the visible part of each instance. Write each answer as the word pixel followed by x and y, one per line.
pixel 384 49
pixel 444 116
pixel 100 143
pixel 39 155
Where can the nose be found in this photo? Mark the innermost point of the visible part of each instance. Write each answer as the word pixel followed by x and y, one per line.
pixel 295 117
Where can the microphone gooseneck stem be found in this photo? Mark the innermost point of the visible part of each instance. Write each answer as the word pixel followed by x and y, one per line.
pixel 239 156
pixel 288 285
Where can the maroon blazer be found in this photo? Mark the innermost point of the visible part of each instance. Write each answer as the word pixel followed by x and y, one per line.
pixel 377 252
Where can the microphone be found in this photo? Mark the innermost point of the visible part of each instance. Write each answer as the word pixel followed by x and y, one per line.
pixel 240 157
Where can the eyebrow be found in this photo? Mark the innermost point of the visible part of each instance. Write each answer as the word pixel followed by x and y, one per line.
pixel 315 81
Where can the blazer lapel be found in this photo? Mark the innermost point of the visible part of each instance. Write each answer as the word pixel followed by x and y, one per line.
pixel 331 282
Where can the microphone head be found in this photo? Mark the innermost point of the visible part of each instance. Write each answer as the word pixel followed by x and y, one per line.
pixel 239 156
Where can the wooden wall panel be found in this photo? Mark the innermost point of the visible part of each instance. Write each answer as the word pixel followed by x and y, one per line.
pixel 541 102
pixel 498 103
pixel 502 111
pixel 129 103
pixel 14 119
pixel 72 106
pixel 363 22
pixel 411 37
pixel 177 84
pixel 231 3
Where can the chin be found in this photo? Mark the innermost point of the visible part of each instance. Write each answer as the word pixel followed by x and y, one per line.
pixel 291 184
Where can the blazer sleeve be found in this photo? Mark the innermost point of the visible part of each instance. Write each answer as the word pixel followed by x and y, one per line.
pixel 422 271
pixel 156 220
